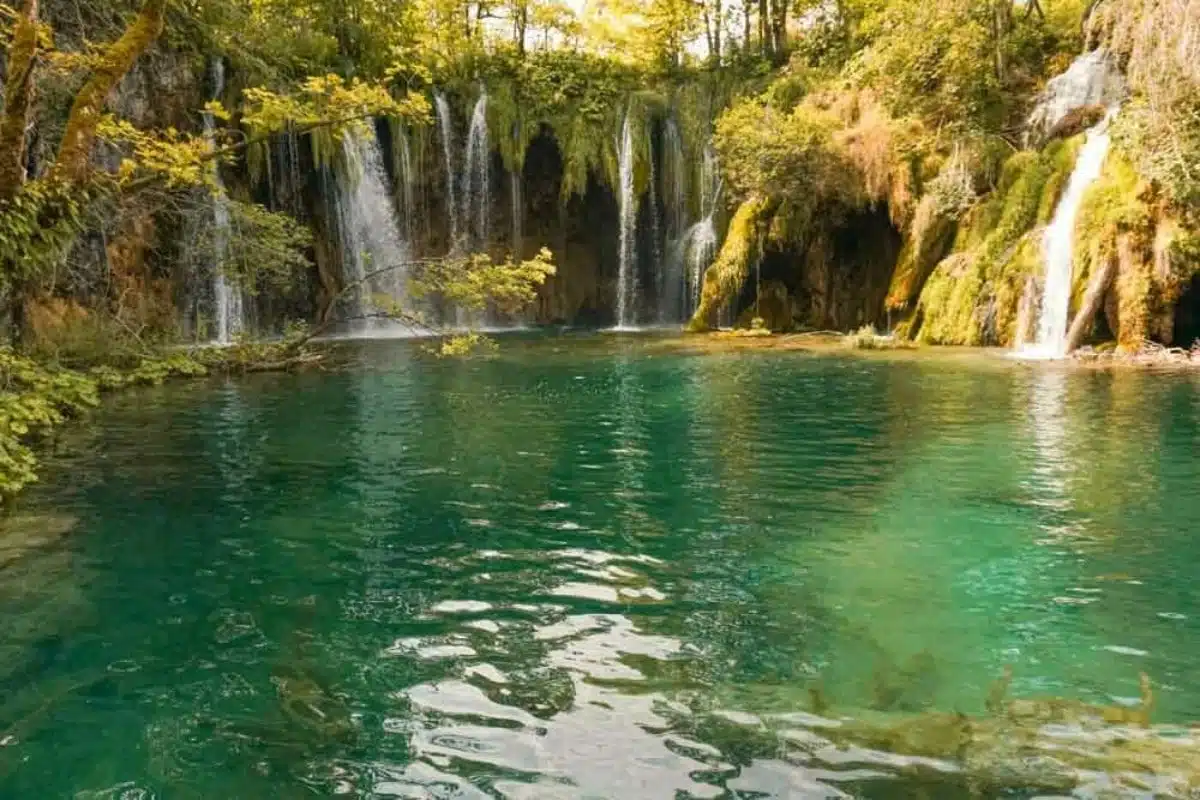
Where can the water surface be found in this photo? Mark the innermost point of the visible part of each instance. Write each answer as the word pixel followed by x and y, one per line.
pixel 587 567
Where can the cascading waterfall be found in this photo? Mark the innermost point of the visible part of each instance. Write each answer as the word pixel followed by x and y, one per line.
pixel 655 223
pixel 1058 246
pixel 674 179
pixel 446 127
pixel 673 270
pixel 626 277
pixel 227 298
pixel 476 180
pixel 697 246
pixel 407 181
pixel 702 249
pixel 1093 79
pixel 371 239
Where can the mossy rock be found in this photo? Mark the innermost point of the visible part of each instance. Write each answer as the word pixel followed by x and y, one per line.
pixel 973 297
pixel 1077 121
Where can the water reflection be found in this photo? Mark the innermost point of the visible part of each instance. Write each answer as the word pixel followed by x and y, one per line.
pixel 571 573
pixel 1051 467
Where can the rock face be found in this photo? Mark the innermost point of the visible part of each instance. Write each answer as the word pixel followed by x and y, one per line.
pixel 1092 80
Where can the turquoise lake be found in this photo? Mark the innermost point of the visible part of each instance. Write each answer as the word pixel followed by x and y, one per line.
pixel 588 566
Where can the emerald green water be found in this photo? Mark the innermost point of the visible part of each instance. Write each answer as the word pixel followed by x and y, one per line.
pixel 588 567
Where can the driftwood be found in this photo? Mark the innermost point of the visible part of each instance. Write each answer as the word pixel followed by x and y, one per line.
pixel 301 361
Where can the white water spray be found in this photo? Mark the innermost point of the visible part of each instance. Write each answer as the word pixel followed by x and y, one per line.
pixel 674 179
pixel 446 127
pixel 407 181
pixel 227 298
pixel 626 277
pixel 371 239
pixel 476 181
pixel 1091 80
pixel 1058 247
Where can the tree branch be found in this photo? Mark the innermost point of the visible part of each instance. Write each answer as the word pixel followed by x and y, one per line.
pixel 75 153
pixel 18 97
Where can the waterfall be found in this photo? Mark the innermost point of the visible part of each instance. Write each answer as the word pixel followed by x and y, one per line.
pixel 690 252
pixel 476 180
pixel 446 126
pixel 406 180
pixel 229 312
pixel 1091 80
pixel 626 275
pixel 371 239
pixel 702 249
pixel 674 179
pixel 656 254
pixel 1057 246
pixel 673 271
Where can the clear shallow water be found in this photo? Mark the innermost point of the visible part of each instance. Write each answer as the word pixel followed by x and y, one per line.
pixel 587 568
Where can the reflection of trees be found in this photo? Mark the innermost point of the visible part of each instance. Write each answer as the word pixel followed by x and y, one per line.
pixel 1134 436
pixel 776 455
pixel 1116 422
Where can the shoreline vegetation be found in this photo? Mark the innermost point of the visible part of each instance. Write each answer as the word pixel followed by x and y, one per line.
pixel 38 397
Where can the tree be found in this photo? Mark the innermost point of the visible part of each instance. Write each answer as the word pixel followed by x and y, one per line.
pixel 42 216
pixel 671 25
pixel 18 93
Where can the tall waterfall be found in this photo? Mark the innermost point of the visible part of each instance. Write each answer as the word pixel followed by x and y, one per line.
pixel 627 299
pixel 690 254
pixel 407 181
pixel 371 239
pixel 476 181
pixel 673 269
pixel 1058 246
pixel 655 220
pixel 446 127
pixel 675 180
pixel 229 312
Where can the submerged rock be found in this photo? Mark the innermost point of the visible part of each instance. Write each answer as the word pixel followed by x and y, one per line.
pixel 310 708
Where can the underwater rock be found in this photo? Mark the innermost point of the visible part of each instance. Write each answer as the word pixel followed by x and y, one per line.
pixel 25 533
pixel 310 707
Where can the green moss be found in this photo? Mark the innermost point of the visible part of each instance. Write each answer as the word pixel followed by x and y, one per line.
pixel 949 302
pixel 1063 157
pixel 1116 223
pixel 581 100
pixel 931 237
pixel 973 297
pixel 742 248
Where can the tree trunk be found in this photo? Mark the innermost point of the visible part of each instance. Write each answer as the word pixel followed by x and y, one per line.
pixel 1093 299
pixel 18 94
pixel 708 31
pixel 75 153
pixel 747 15
pixel 717 17
pixel 779 10
pixel 764 23
pixel 1001 25
pixel 522 23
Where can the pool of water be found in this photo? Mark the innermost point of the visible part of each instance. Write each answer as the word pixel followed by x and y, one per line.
pixel 589 567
